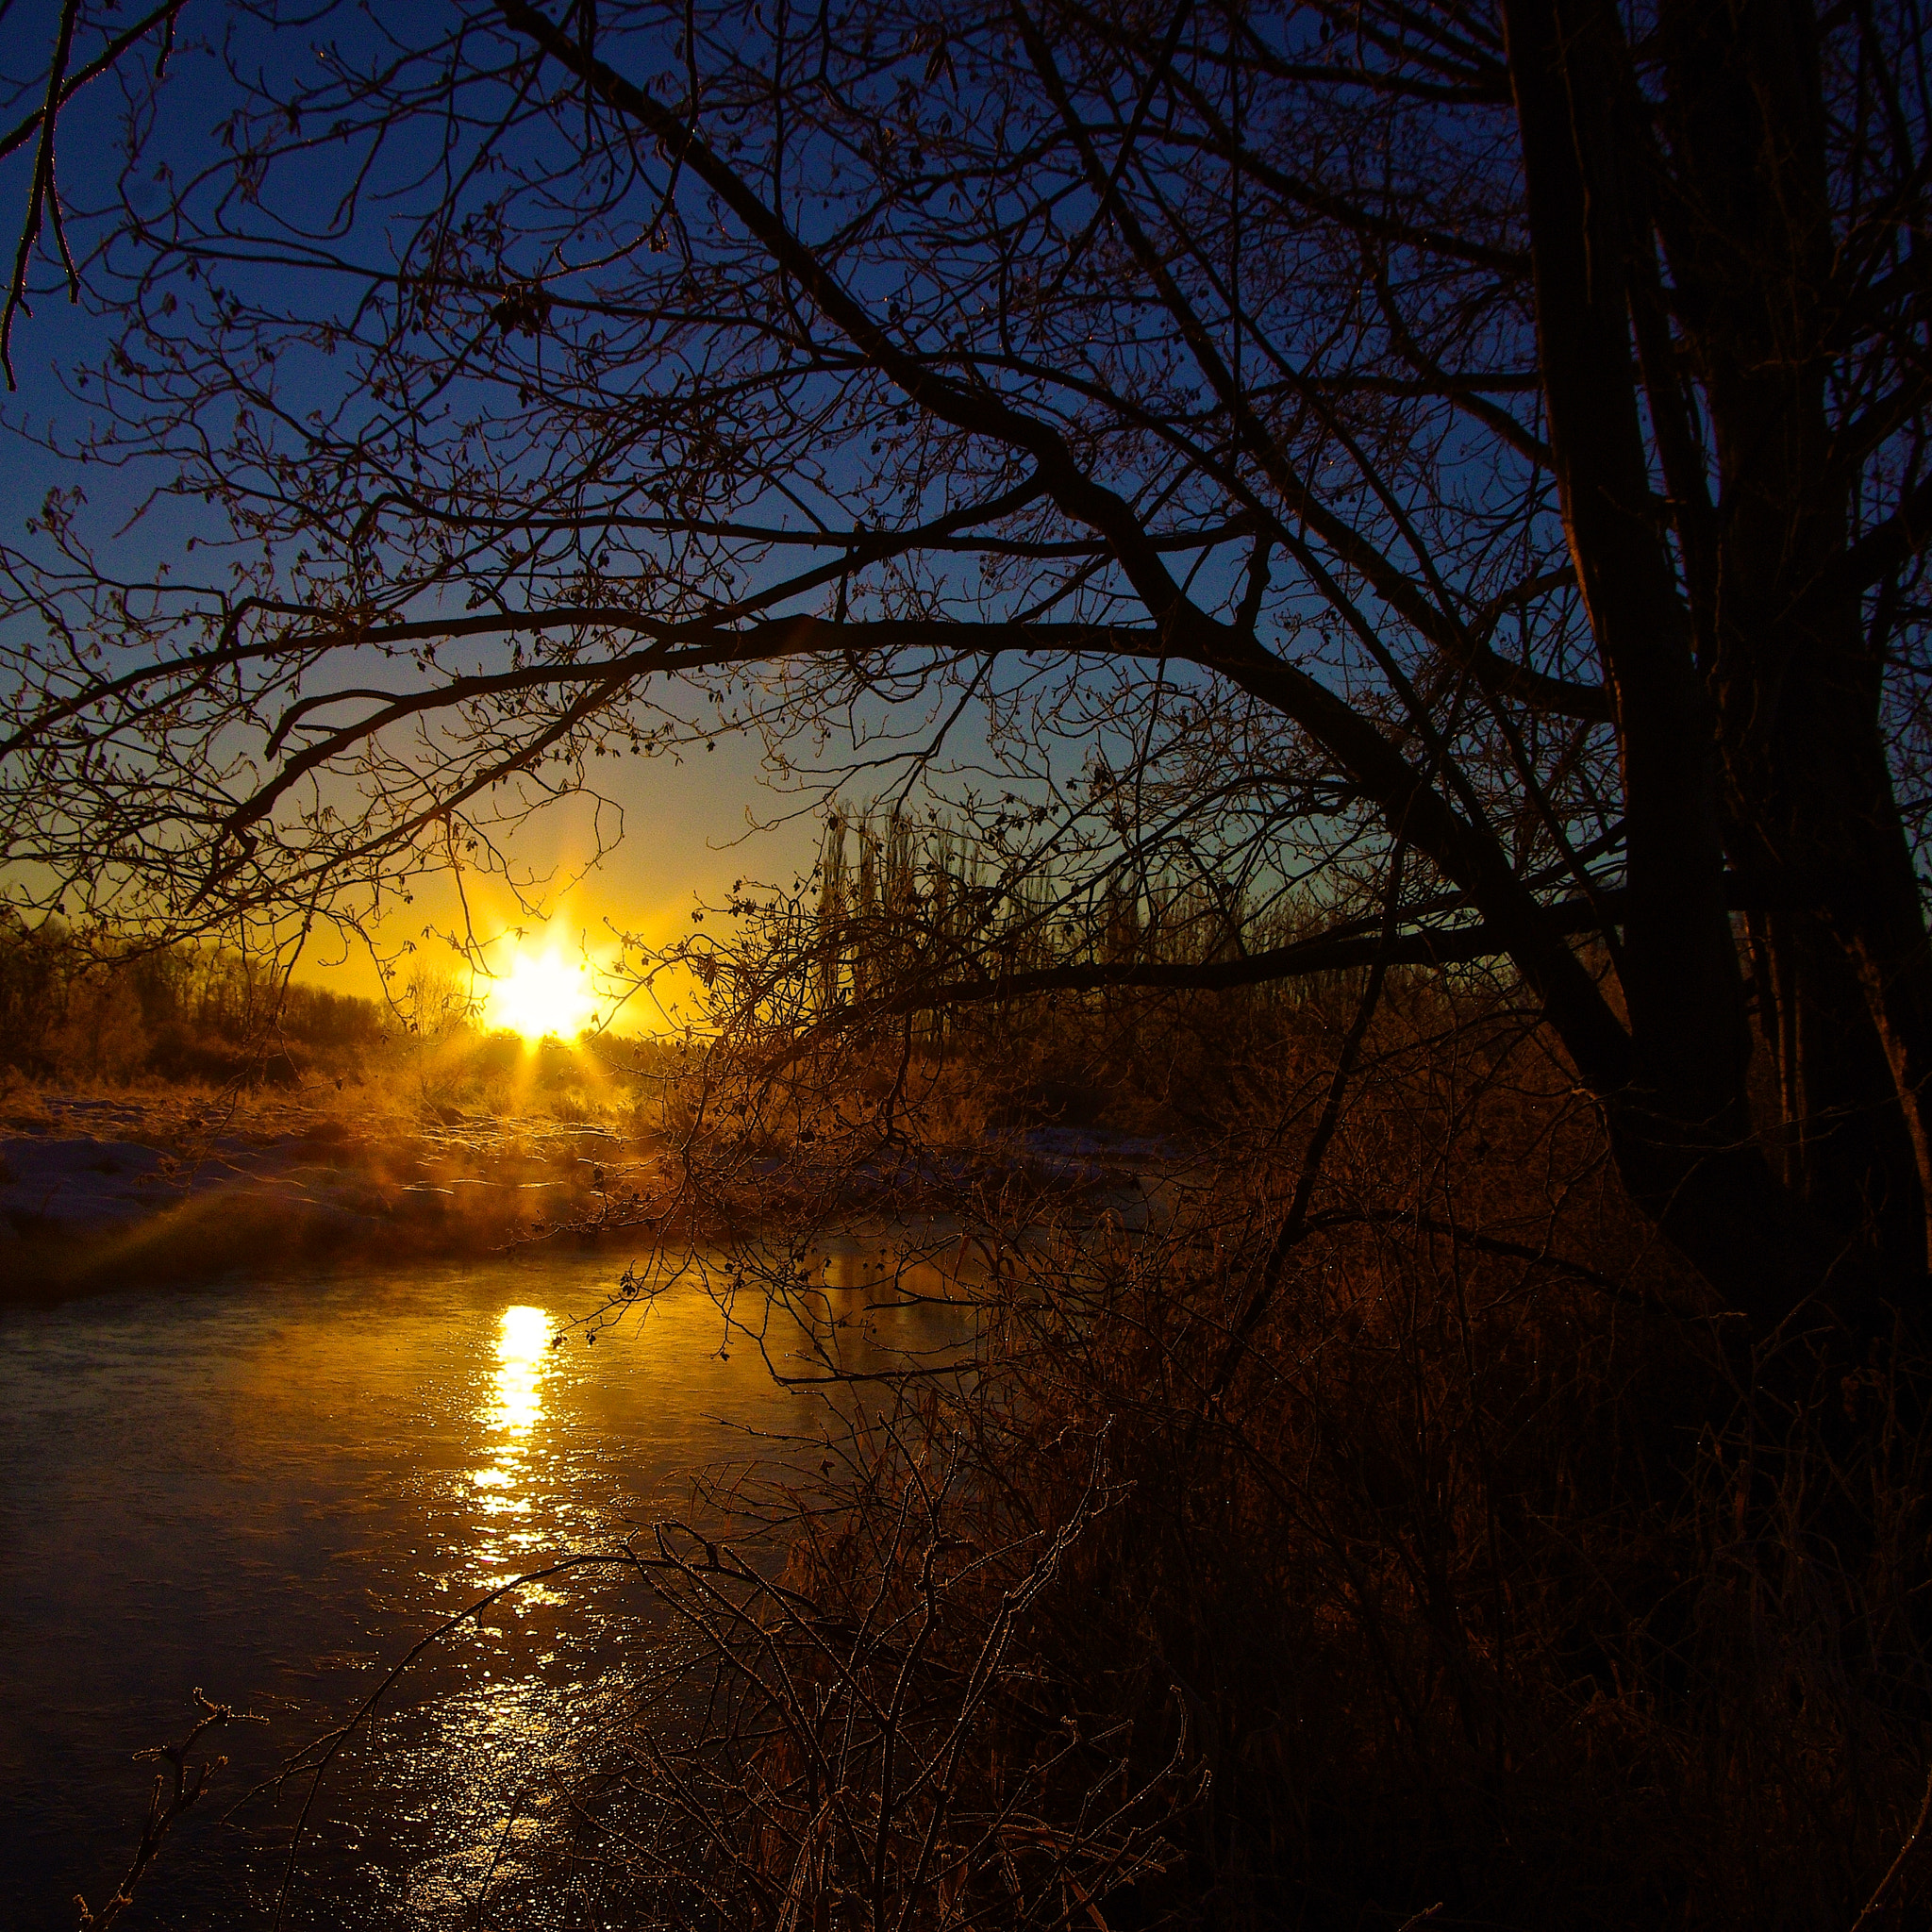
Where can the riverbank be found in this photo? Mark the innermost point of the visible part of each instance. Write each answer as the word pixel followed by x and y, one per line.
pixel 176 1186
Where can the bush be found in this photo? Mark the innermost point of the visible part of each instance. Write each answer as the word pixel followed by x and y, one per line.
pixel 93 1006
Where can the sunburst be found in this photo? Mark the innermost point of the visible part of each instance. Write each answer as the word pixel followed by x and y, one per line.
pixel 541 996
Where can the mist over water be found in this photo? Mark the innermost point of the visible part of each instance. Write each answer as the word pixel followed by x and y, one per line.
pixel 269 1490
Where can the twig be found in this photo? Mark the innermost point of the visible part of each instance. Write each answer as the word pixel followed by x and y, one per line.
pixel 1872 1904
pixel 169 1800
pixel 1294 1223
pixel 317 1756
pixel 40 191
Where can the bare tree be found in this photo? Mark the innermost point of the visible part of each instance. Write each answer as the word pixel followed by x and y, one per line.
pixel 1487 434
pixel 80 49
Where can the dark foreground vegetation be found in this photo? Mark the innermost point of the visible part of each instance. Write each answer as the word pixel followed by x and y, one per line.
pixel 1387 1521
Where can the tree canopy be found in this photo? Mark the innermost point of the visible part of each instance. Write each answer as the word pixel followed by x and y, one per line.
pixel 1460 465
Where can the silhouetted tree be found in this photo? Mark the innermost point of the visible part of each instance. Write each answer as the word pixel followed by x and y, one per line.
pixel 1463 461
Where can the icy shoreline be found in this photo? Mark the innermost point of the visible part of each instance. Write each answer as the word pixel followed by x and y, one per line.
pixel 96 1190
pixel 137 1190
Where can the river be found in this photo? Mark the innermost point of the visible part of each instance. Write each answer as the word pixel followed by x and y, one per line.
pixel 270 1489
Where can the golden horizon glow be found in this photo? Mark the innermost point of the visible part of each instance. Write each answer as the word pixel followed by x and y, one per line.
pixel 540 996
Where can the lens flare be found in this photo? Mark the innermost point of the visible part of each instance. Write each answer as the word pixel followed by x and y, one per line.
pixel 541 996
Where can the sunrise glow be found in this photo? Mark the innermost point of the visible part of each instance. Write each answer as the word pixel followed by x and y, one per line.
pixel 539 997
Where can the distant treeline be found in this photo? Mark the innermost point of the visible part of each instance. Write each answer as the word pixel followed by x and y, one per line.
pixel 901 900
pixel 82 1004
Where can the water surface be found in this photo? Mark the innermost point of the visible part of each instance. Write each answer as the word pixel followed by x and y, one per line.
pixel 270 1489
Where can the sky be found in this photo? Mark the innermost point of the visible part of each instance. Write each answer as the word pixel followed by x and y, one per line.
pixel 688 827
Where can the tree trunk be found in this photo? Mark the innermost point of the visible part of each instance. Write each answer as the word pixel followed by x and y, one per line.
pixel 1809 817
pixel 1752 723
pixel 1845 1150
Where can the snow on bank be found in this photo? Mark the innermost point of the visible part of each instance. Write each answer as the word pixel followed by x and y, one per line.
pixel 96 1190
pixel 165 1186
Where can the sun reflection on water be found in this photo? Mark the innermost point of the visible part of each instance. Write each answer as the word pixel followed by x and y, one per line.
pixel 513 1408
pixel 522 1342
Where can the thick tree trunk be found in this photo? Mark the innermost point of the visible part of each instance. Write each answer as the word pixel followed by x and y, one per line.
pixel 1682 1119
pixel 1681 984
pixel 1816 836
pixel 1845 1148
pixel 1769 745
pixel 1809 817
pixel 1762 1250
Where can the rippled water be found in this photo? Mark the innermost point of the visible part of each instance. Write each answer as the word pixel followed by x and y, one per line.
pixel 271 1489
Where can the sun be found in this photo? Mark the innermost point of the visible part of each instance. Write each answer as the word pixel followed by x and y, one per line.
pixel 540 996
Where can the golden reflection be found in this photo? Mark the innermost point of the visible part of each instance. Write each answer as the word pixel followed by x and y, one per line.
pixel 523 1351
pixel 522 1342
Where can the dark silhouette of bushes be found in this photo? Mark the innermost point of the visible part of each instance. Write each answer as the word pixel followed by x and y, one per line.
pixel 90 1005
pixel 1445 1550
